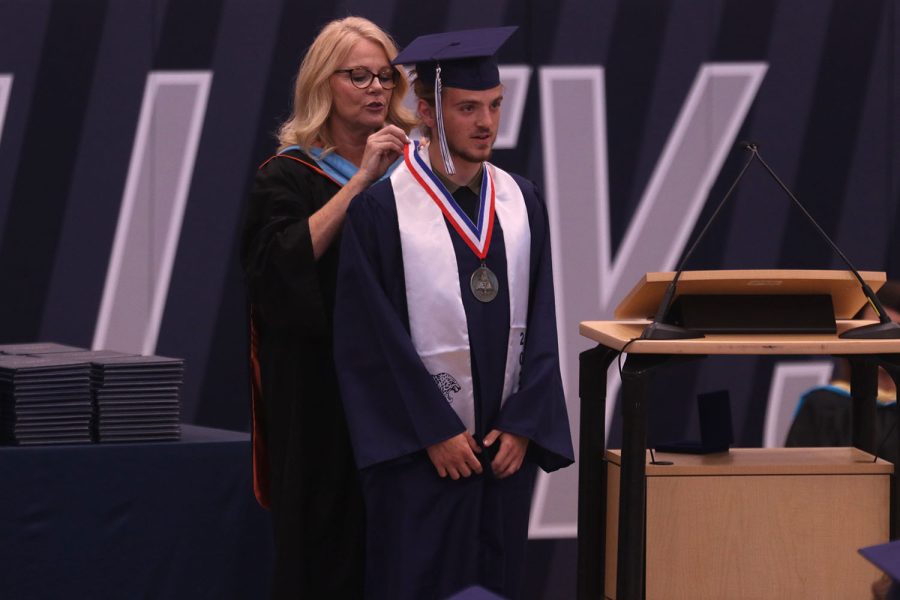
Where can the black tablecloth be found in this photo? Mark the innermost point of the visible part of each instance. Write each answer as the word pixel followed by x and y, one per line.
pixel 154 520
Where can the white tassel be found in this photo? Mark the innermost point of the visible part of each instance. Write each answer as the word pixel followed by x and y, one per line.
pixel 442 137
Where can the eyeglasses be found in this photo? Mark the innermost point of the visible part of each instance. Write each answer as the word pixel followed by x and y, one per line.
pixel 362 78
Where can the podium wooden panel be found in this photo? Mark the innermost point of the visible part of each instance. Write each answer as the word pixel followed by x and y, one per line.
pixel 757 524
pixel 644 357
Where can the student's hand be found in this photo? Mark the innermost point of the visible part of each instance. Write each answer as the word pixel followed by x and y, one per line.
pixel 510 455
pixel 455 457
pixel 382 148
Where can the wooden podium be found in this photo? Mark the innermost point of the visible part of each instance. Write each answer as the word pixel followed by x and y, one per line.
pixel 758 523
pixel 645 356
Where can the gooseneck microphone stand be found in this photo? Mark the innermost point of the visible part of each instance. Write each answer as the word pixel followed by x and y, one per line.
pixel 660 330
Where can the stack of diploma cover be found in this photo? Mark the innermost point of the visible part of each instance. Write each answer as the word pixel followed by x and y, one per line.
pixel 121 398
pixel 136 398
pixel 38 348
pixel 44 400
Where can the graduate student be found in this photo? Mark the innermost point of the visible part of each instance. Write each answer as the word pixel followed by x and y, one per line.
pixel 346 129
pixel 823 416
pixel 445 341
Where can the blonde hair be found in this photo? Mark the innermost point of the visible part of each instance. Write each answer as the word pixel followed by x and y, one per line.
pixel 307 125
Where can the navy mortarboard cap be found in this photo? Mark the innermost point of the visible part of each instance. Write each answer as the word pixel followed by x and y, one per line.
pixel 475 592
pixel 466 58
pixel 460 59
pixel 887 558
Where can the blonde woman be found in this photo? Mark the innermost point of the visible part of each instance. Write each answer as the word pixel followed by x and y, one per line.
pixel 346 131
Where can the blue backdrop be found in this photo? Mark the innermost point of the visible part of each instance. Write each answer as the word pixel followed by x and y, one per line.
pixel 130 131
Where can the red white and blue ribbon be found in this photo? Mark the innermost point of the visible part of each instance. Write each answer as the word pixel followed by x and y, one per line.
pixel 476 235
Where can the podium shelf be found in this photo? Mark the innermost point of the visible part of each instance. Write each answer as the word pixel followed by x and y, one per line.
pixel 615 334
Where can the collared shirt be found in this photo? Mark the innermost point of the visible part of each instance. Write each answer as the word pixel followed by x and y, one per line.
pixel 474 184
pixel 468 197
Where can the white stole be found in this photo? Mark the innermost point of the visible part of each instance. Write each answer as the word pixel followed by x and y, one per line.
pixel 437 318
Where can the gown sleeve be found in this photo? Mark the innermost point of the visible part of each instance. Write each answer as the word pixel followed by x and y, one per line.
pixel 538 408
pixel 392 404
pixel 288 309
pixel 277 253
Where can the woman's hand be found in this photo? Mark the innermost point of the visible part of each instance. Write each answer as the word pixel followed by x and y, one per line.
pixel 383 148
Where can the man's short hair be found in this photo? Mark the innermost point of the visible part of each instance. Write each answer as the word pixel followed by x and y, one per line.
pixel 423 91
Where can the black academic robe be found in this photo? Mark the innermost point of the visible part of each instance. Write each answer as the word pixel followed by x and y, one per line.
pixel 824 418
pixel 430 537
pixel 305 467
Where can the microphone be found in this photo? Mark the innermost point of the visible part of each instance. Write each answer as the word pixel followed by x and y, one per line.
pixel 885 328
pixel 660 330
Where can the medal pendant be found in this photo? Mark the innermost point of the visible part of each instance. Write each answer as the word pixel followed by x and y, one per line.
pixel 483 284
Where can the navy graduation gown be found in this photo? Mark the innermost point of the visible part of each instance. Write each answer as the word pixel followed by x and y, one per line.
pixel 395 411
